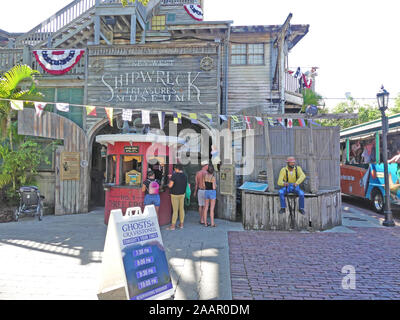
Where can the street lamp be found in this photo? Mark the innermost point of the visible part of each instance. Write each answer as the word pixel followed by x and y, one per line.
pixel 383 101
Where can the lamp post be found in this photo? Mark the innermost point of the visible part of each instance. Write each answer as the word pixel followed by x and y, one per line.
pixel 383 101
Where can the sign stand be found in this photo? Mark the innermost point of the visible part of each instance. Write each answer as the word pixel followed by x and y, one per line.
pixel 134 265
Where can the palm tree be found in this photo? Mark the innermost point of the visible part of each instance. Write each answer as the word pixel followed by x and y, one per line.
pixel 310 97
pixel 10 89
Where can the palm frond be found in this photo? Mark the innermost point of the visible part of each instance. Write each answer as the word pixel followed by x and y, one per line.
pixel 12 78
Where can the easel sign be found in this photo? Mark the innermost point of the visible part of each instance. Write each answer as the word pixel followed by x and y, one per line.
pixel 134 256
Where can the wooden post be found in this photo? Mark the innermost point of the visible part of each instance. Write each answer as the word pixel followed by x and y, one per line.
pixel 133 28
pixel 312 167
pixel 270 166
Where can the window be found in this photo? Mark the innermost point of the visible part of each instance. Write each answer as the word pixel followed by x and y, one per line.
pixel 158 23
pixel 247 54
pixel 111 169
pixel 131 171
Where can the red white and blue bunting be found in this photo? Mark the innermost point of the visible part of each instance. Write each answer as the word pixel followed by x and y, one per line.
pixel 58 62
pixel 195 11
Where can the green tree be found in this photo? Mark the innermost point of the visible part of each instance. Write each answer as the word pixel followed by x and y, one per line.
pixel 310 97
pixel 396 108
pixel 10 88
pixel 125 2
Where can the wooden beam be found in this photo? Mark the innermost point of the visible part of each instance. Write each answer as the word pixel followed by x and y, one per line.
pixel 327 116
pixel 133 29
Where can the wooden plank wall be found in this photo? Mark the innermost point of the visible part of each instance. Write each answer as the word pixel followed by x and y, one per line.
pixel 176 8
pixel 70 196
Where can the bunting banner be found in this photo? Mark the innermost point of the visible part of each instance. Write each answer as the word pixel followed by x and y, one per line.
pixel 161 119
pixel 58 62
pixel 302 123
pixel 209 117
pixel 271 121
pixel 110 114
pixel 223 118
pixel 91 111
pixel 290 123
pixel 311 122
pixel 248 121
pixel 127 114
pixel 64 107
pixel 145 117
pixel 17 105
pixel 177 118
pixel 235 118
pixel 39 107
pixel 280 121
pixel 260 121
pixel 193 118
pixel 195 11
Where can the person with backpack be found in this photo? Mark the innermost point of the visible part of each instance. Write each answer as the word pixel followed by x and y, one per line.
pixel 290 178
pixel 151 188
pixel 178 184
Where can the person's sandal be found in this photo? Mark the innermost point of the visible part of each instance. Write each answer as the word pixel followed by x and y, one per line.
pixel 181 226
pixel 213 225
pixel 170 228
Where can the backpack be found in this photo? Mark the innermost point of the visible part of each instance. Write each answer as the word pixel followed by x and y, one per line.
pixel 154 187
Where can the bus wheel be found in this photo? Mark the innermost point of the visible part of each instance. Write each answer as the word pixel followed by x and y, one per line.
pixel 377 201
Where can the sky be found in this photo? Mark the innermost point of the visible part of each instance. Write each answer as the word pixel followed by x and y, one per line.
pixel 354 43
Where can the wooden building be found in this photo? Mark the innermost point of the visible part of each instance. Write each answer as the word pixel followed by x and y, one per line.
pixel 159 58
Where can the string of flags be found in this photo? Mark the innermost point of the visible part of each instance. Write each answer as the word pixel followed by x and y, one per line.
pixel 127 115
pixel 305 79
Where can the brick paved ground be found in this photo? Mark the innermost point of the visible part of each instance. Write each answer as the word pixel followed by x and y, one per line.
pixel 291 265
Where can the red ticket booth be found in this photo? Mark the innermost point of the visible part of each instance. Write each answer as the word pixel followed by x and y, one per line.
pixel 129 157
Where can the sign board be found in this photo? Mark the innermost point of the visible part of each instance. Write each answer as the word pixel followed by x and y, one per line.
pixel 238 126
pixel 131 149
pixel 227 181
pixel 134 256
pixel 70 166
pixel 254 186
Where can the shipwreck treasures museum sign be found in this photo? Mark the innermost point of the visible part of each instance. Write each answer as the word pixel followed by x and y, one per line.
pixel 183 78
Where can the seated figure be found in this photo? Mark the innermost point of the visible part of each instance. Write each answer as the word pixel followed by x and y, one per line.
pixel 290 177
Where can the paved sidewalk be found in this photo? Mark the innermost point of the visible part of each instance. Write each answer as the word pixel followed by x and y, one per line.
pixel 60 258
pixel 309 265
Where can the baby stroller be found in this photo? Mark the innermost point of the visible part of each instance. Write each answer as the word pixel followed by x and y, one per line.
pixel 31 202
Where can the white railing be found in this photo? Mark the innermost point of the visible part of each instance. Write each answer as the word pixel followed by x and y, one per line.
pixel 291 83
pixel 9 58
pixel 56 22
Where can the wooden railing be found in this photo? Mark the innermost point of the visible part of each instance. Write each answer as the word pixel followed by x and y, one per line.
pixel 56 22
pixel 291 83
pixel 9 58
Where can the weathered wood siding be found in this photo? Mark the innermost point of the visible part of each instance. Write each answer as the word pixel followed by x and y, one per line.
pixel 175 9
pixel 153 77
pixel 323 211
pixel 250 85
pixel 70 196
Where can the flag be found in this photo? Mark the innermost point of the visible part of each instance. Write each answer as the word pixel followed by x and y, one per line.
pixel 302 123
pixel 235 118
pixel 224 118
pixel 260 121
pixel 312 122
pixel 209 116
pixel 64 107
pixel 177 117
pixel 270 121
pixel 281 122
pixel 145 117
pixel 248 121
pixel 91 111
pixel 39 107
pixel 17 105
pixel 290 123
pixel 161 119
pixel 110 112
pixel 193 118
pixel 127 114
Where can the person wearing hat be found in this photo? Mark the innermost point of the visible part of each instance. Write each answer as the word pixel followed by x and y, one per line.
pixel 290 178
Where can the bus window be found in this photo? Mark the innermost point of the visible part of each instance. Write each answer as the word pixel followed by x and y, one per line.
pixel 131 171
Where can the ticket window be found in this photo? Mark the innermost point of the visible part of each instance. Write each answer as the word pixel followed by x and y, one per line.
pixel 131 171
pixel 111 169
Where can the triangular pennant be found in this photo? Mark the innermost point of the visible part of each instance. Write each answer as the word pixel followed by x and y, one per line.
pixel 161 119
pixel 64 107
pixel 91 111
pixel 223 118
pixel 260 121
pixel 193 118
pixel 110 114
pixel 39 107
pixel 17 105
pixel 290 123
pixel 145 117
pixel 177 118
pixel 312 122
pixel 271 121
pixel 235 118
pixel 209 116
pixel 248 121
pixel 127 114
pixel 302 123
pixel 281 122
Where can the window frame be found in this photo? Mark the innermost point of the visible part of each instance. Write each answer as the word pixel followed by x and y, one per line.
pixel 160 27
pixel 247 54
pixel 122 175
